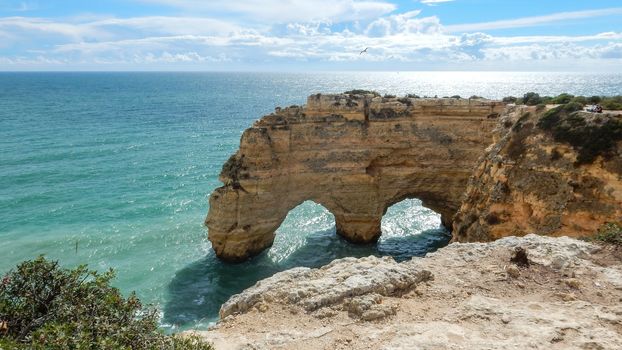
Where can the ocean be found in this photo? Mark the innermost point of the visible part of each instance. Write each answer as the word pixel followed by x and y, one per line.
pixel 114 170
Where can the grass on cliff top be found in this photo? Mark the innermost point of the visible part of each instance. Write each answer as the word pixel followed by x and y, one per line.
pixel 361 92
pixel 529 99
pixel 44 306
pixel 610 233
pixel 589 139
pixel 534 99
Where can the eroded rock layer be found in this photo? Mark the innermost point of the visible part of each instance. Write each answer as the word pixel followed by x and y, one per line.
pixel 552 172
pixel 354 154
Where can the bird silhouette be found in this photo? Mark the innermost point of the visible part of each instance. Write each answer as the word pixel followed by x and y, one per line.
pixel 364 51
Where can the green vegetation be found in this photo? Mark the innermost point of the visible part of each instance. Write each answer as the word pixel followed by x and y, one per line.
pixel 534 99
pixel 361 92
pixel 530 99
pixel 405 101
pixel 43 306
pixel 591 140
pixel 562 99
pixel 612 103
pixel 610 233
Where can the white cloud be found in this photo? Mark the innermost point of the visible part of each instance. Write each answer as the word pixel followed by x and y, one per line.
pixel 168 25
pixel 186 57
pixel 403 23
pixel 47 27
pixel 434 2
pixel 558 51
pixel 284 11
pixel 205 41
pixel 533 21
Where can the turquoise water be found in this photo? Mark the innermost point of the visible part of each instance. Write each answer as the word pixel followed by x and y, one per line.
pixel 114 170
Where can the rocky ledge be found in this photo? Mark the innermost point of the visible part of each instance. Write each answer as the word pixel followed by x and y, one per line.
pixel 515 293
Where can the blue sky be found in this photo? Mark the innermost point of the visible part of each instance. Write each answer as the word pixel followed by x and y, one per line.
pixel 306 35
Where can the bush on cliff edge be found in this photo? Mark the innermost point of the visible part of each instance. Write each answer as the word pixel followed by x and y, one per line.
pixel 589 139
pixel 43 306
pixel 610 233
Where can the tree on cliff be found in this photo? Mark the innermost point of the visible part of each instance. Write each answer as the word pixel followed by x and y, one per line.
pixel 43 306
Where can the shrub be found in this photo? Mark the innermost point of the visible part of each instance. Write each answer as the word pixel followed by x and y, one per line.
pixel 46 307
pixel 361 92
pixel 389 96
pixel 610 233
pixel 456 97
pixel 590 140
pixel 413 96
pixel 562 99
pixel 594 99
pixel 612 105
pixel 406 101
pixel 475 97
pixel 573 107
pixel 510 99
pixel 580 99
pixel 550 118
pixel 532 99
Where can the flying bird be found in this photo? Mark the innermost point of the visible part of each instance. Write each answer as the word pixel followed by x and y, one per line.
pixel 364 51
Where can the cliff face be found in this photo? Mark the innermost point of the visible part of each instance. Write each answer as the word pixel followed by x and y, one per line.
pixel 551 172
pixel 354 154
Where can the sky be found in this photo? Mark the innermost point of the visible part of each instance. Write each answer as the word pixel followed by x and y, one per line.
pixel 311 35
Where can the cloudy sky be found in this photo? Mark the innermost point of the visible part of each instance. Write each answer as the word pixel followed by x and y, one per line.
pixel 303 35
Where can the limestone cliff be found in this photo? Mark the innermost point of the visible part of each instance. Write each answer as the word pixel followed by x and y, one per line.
pixel 555 172
pixel 356 155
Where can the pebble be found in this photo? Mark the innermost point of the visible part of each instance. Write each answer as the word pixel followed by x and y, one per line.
pixel 512 271
pixel 572 283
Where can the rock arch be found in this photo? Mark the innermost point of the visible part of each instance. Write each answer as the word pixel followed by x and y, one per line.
pixel 354 154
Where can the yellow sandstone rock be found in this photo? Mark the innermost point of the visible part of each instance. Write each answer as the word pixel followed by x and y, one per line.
pixel 354 154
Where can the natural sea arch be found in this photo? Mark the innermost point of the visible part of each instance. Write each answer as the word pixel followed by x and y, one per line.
pixel 356 155
pixel 410 229
pixel 307 236
pixel 301 224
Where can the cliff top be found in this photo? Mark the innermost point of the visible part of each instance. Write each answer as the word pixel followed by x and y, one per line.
pixel 371 106
pixel 531 292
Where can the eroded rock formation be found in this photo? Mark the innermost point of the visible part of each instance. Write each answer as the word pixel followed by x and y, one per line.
pixel 354 154
pixel 552 172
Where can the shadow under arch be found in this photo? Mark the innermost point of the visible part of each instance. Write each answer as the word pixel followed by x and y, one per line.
pixel 307 237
